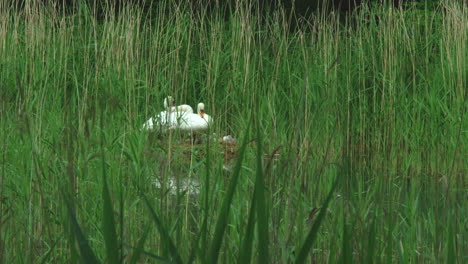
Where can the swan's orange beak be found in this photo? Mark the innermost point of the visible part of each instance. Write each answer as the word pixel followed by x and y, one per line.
pixel 202 113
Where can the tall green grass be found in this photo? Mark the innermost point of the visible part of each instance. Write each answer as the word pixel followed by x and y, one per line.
pixel 376 100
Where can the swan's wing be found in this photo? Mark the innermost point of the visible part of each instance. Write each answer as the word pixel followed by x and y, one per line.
pixel 182 109
pixel 161 120
pixel 178 120
pixel 185 108
pixel 148 125
pixel 192 122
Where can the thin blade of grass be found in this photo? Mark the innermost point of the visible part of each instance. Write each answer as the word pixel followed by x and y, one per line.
pixel 245 253
pixel 389 248
pixel 203 232
pixel 108 226
pixel 262 227
pixel 47 256
pixel 195 243
pixel 331 256
pixel 345 249
pixel 158 259
pixel 451 253
pixel 309 241
pixel 108 221
pixel 72 244
pixel 371 242
pixel 225 209
pixel 139 248
pixel 122 213
pixel 194 247
pixel 270 161
pixel 166 239
pixel 87 254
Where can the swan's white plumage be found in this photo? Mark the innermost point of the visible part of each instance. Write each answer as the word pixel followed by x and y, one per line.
pixel 181 108
pixel 184 120
pixel 168 102
pixel 169 106
pixel 162 120
pixel 192 122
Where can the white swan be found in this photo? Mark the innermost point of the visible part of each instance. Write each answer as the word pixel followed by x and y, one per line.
pixel 165 119
pixel 160 119
pixel 192 122
pixel 169 106
pixel 168 102
pixel 182 108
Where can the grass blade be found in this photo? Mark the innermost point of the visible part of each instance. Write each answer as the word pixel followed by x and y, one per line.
pixel 203 232
pixel 121 220
pixel 139 249
pixel 108 226
pixel 309 241
pixel 47 256
pixel 262 227
pixel 389 248
pixel 346 248
pixel 87 254
pixel 331 256
pixel 157 258
pixel 108 221
pixel 371 242
pixel 165 238
pixel 224 213
pixel 72 244
pixel 194 246
pixel 245 253
pixel 451 253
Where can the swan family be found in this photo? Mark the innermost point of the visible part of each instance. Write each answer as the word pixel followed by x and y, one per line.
pixel 179 117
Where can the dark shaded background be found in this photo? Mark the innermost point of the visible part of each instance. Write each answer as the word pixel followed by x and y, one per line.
pixel 300 8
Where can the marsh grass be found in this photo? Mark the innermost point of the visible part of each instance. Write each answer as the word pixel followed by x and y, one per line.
pixel 377 99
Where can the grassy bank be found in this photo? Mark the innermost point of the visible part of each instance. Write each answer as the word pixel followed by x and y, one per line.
pixel 377 100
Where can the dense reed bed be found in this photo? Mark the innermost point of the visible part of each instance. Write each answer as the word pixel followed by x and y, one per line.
pixel 362 116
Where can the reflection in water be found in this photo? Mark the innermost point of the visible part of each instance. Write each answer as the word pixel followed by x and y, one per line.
pixel 191 186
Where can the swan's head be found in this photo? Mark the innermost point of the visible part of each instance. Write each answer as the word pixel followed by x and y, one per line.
pixel 168 102
pixel 201 109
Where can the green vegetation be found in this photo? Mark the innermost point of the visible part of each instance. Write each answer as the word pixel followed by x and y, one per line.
pixel 353 136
